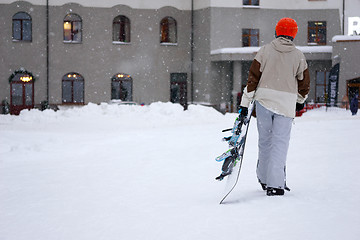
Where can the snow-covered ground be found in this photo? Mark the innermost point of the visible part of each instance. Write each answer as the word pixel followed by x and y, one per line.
pixel 130 172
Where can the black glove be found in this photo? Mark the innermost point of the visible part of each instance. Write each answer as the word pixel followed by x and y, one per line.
pixel 299 106
pixel 243 112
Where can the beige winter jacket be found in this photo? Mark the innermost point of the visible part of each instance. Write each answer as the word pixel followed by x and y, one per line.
pixel 278 78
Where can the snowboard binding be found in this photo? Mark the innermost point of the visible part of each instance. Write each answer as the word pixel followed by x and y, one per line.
pixel 235 141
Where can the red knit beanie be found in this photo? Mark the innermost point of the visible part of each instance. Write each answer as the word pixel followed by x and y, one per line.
pixel 286 27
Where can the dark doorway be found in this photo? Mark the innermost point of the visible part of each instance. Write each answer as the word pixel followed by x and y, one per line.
pixel 353 87
pixel 178 88
pixel 121 87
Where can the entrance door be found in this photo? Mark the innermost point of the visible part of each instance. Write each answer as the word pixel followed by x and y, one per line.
pixel 121 87
pixel 353 88
pixel 178 88
pixel 21 92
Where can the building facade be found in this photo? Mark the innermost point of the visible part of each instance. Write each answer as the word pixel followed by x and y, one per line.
pixel 199 51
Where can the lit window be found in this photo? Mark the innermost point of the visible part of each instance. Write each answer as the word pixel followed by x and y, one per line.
pixel 250 37
pixel 317 32
pixel 72 28
pixel 121 87
pixel 73 88
pixel 168 31
pixel 121 29
pixel 22 27
pixel 21 91
pixel 251 2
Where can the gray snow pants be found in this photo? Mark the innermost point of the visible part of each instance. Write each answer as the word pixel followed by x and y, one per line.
pixel 274 136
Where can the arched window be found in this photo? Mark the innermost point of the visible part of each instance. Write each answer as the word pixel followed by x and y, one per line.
pixel 121 87
pixel 73 88
pixel 168 31
pixel 22 27
pixel 72 28
pixel 121 29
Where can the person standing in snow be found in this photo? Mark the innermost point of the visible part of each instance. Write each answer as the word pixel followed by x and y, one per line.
pixel 279 83
pixel 354 104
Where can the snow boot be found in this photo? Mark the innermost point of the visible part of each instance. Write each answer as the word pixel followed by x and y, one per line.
pixel 274 191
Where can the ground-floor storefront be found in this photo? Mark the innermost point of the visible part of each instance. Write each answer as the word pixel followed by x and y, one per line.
pixel 24 89
pixel 231 68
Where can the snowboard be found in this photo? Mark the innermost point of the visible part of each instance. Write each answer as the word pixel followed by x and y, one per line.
pixel 233 158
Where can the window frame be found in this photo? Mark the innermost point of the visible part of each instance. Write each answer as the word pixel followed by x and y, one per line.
pixel 318 40
pixel 121 78
pixel 178 88
pixel 69 77
pixel 251 2
pixel 250 36
pixel 17 81
pixel 68 19
pixel 167 29
pixel 124 29
pixel 21 91
pixel 22 22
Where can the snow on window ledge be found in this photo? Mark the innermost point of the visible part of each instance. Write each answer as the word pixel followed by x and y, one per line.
pixel 20 40
pixel 251 6
pixel 69 41
pixel 168 44
pixel 121 43
pixel 313 44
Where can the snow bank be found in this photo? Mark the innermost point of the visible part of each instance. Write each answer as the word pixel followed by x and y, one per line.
pixel 331 113
pixel 131 172
pixel 156 114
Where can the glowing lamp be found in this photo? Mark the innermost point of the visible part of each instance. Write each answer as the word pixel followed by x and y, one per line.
pixel 25 78
pixel 67 25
